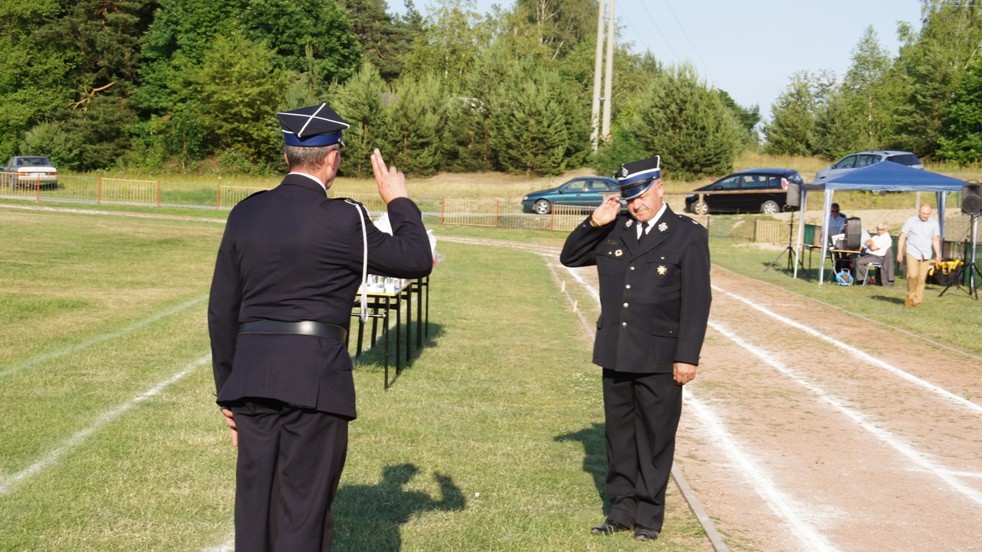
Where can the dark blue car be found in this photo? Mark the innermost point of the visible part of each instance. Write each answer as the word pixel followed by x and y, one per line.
pixel 587 192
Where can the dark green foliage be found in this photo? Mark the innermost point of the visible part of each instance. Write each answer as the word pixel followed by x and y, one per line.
pixel 415 121
pixel 837 130
pixel 687 124
pixel 791 130
pixel 961 138
pixel 532 129
pixel 359 101
pixel 288 27
pixel 183 83
pixel 383 40
pixel 930 68
pixel 464 140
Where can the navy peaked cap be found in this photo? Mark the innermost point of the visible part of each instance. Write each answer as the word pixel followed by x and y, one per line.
pixel 636 177
pixel 312 127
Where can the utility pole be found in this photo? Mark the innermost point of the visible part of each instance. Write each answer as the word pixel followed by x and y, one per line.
pixel 598 68
pixel 602 132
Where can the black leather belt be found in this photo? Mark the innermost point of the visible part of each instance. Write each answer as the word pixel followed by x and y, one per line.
pixel 304 327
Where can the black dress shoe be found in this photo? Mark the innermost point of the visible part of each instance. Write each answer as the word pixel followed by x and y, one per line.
pixel 608 528
pixel 642 534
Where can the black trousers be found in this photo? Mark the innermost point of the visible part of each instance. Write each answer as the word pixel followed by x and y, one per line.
pixel 641 416
pixel 289 466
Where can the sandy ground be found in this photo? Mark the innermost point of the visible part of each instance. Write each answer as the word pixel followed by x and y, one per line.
pixel 808 428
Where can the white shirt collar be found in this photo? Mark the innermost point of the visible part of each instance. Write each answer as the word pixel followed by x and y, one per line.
pixel 312 177
pixel 651 222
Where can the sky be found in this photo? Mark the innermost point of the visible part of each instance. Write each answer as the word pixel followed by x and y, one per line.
pixel 751 48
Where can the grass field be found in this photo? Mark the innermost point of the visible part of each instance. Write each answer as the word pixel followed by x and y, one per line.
pixel 490 440
pixel 110 440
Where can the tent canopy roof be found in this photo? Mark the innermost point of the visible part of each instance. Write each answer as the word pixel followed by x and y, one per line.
pixel 887 176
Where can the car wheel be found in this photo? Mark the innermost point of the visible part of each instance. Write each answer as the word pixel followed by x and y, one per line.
pixel 542 207
pixel 770 208
pixel 700 208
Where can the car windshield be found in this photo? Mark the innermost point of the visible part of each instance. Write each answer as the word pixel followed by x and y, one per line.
pixel 33 162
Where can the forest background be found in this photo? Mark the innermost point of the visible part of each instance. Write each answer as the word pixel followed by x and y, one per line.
pixel 190 86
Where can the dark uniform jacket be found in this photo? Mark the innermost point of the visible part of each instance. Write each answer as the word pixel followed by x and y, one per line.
pixel 654 295
pixel 293 254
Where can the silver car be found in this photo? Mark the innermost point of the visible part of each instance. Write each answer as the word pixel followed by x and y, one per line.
pixel 862 159
pixel 28 171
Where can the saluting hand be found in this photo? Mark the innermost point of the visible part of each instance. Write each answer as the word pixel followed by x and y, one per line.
pixel 391 183
pixel 607 211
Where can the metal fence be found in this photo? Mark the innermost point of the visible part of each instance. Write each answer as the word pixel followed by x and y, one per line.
pixel 487 213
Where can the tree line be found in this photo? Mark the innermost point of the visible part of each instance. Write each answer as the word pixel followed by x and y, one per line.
pixel 192 85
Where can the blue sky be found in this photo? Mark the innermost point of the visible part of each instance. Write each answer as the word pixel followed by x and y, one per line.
pixel 751 48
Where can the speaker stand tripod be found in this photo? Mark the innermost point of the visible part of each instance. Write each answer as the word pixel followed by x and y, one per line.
pixel 789 250
pixel 971 268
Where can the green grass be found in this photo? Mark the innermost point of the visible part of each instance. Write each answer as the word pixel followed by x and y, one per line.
pixel 489 440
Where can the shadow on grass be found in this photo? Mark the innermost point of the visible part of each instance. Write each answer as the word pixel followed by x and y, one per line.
pixel 594 456
pixel 374 356
pixel 368 517
pixel 888 299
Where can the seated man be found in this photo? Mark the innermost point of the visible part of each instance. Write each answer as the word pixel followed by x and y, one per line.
pixel 877 249
pixel 837 222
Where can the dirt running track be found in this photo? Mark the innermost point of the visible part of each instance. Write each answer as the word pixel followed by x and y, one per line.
pixel 811 429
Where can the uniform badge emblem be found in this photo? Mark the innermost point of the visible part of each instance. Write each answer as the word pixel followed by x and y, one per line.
pixel 662 227
pixel 618 253
pixel 628 223
pixel 662 270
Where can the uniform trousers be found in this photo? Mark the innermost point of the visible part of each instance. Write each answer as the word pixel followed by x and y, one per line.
pixel 916 277
pixel 641 416
pixel 289 465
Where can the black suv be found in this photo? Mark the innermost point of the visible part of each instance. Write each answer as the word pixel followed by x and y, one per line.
pixel 760 191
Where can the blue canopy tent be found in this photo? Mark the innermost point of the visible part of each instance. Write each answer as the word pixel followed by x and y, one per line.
pixel 882 177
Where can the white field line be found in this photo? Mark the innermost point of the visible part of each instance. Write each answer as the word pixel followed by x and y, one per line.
pixel 858 354
pixel 102 421
pixel 784 506
pixel 33 361
pixel 884 436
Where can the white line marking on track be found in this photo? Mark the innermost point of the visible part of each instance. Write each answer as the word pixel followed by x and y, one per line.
pixel 884 436
pixel 783 505
pixel 104 337
pixel 103 420
pixel 864 357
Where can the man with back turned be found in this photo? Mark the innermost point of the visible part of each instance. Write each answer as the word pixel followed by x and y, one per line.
pixel 655 294
pixel 288 268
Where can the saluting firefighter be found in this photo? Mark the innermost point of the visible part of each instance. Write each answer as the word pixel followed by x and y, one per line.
pixel 288 268
pixel 654 295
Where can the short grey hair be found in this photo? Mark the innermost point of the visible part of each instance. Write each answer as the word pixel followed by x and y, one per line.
pixel 307 158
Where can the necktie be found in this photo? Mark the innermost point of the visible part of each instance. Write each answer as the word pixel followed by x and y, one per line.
pixel 644 231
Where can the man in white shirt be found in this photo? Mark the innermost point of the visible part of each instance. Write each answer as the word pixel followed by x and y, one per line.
pixel 918 237
pixel 877 249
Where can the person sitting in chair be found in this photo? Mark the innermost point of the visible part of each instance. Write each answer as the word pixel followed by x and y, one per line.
pixel 877 249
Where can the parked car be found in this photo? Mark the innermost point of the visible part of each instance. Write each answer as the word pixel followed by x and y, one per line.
pixel 770 187
pixel 587 192
pixel 30 170
pixel 862 159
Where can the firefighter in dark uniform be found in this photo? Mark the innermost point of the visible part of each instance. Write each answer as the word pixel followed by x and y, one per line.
pixel 288 269
pixel 654 292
